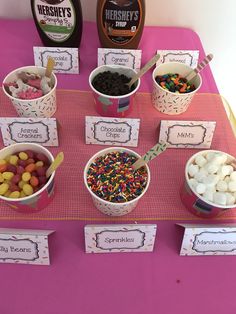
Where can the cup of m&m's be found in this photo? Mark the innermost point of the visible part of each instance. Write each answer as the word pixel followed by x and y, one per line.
pixel 23 182
pixel 114 186
pixel 172 93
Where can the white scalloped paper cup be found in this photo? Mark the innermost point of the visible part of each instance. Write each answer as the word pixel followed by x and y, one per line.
pixel 109 208
pixel 42 107
pixel 168 102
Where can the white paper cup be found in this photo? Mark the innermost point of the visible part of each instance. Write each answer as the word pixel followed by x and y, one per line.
pixel 168 102
pixel 42 197
pixel 42 107
pixel 109 208
pixel 196 203
pixel 113 106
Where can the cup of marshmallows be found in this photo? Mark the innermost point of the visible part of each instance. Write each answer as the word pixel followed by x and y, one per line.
pixel 210 183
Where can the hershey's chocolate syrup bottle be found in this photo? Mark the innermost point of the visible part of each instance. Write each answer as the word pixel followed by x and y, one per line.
pixel 120 23
pixel 59 22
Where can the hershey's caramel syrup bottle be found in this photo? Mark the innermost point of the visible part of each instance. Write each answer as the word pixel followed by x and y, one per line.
pixel 120 23
pixel 59 22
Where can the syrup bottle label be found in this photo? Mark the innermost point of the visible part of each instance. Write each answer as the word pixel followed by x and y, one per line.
pixel 121 20
pixel 56 18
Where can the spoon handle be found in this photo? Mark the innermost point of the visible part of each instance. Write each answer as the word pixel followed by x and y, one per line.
pixel 50 66
pixel 147 66
pixel 152 153
pixel 55 164
pixel 199 67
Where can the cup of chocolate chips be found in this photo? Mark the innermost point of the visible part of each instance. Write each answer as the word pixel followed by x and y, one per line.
pixel 112 95
pixel 172 92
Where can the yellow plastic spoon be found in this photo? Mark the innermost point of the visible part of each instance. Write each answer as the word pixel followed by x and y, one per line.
pixel 55 164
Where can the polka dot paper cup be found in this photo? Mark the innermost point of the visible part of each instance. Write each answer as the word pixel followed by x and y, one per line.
pixel 207 191
pixel 42 197
pixel 110 208
pixel 169 102
pixel 42 107
pixel 113 106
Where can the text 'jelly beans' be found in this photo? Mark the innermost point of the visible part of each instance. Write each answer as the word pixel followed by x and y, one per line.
pixel 22 174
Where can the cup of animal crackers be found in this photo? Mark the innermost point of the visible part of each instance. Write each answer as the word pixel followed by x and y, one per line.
pixel 112 183
pixel 172 92
pixel 112 96
pixel 23 182
pixel 31 93
pixel 209 187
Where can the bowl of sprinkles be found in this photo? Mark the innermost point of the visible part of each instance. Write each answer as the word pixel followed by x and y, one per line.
pixel 172 92
pixel 114 186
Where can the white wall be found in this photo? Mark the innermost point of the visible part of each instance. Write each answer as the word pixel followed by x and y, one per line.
pixel 213 20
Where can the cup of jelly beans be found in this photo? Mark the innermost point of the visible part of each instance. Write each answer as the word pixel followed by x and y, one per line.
pixel 114 186
pixel 23 183
pixel 172 93
pixel 209 188
pixel 112 96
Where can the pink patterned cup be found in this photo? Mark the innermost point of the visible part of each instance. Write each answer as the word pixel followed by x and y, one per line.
pixel 113 106
pixel 41 198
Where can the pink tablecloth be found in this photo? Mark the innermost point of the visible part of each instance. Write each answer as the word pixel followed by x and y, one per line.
pixel 158 282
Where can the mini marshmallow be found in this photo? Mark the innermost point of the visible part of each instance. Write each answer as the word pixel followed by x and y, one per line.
pixel 200 160
pixel 210 156
pixel 233 176
pixel 193 182
pixel 211 180
pixel 232 186
pixel 227 170
pixel 219 198
pixel 219 159
pixel 199 176
pixel 230 199
pixel 208 195
pixel 211 168
pixel 221 186
pixel 200 188
pixel 203 171
pixel 227 179
pixel 192 170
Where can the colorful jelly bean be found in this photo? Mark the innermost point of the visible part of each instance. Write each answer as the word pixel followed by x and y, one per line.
pixel 22 174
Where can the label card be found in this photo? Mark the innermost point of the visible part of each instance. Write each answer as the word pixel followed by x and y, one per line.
pixel 111 131
pixel 119 238
pixel 188 57
pixel 66 59
pixel 187 134
pixel 31 130
pixel 209 239
pixel 21 246
pixel 130 58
